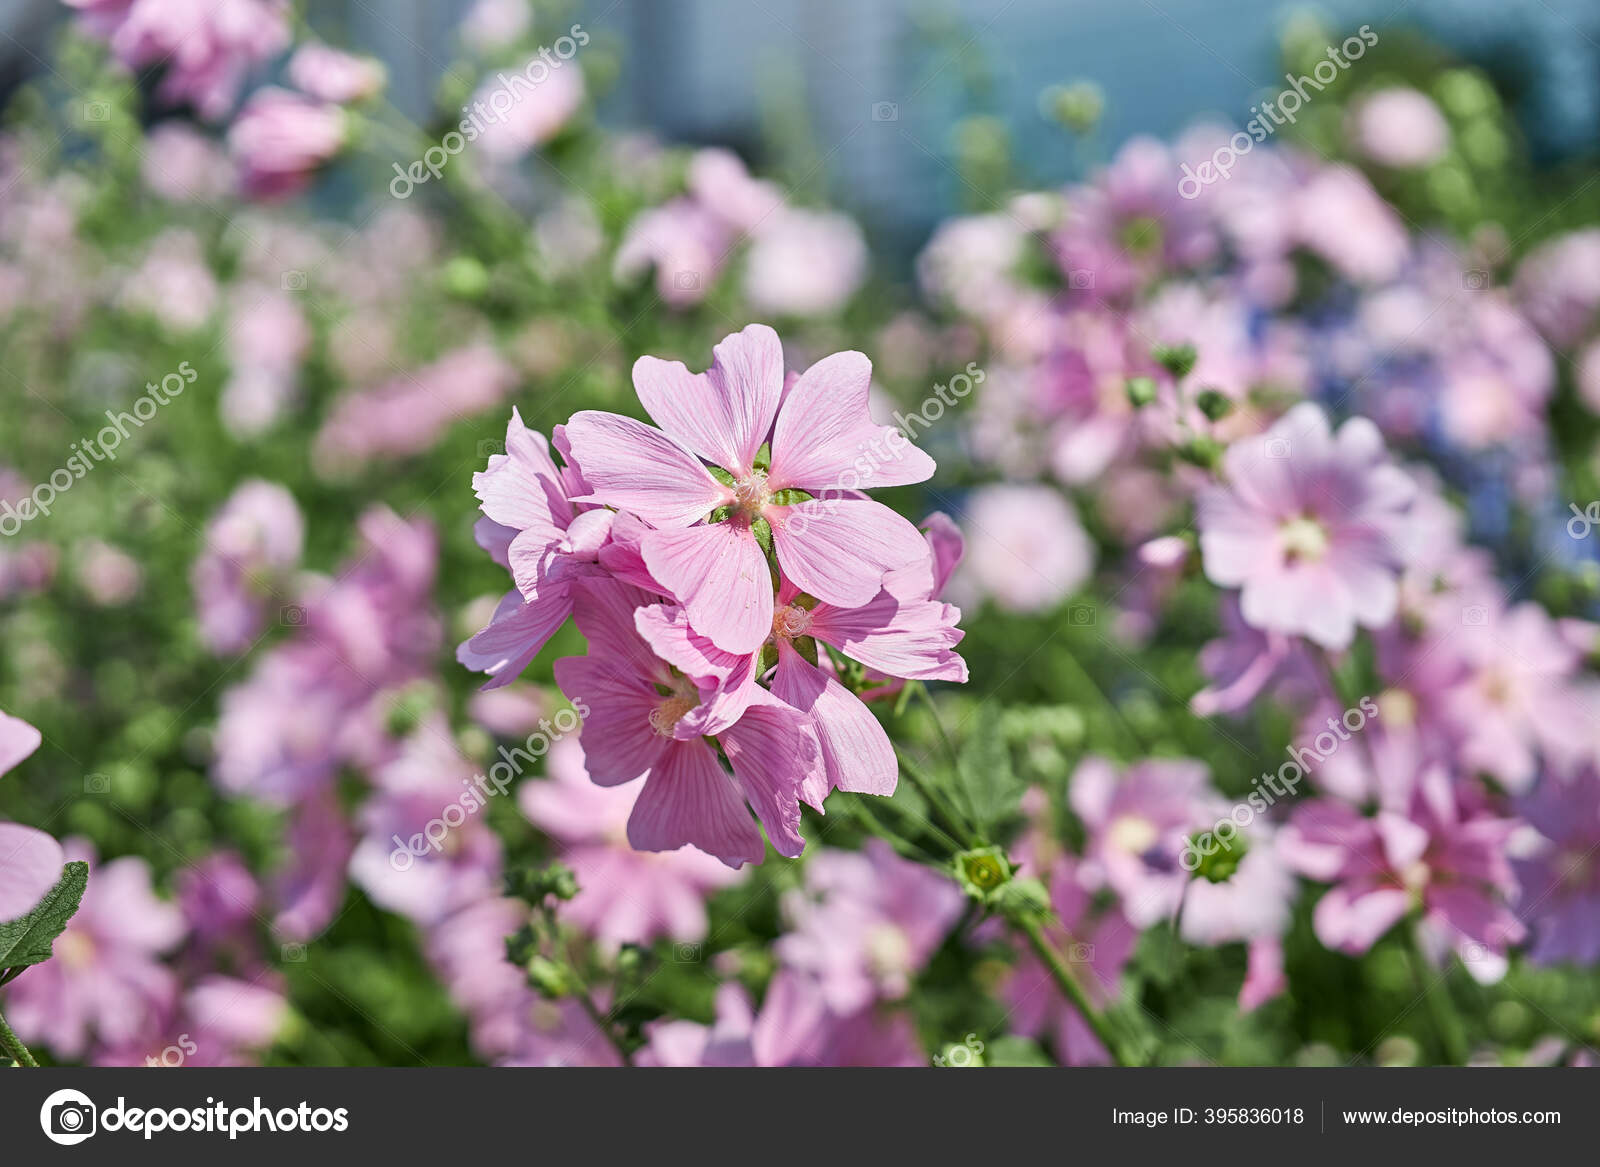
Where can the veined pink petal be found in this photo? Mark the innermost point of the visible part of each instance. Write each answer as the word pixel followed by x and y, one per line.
pixel 521 488
pixel 604 611
pixel 825 437
pixel 516 633
pixel 914 639
pixel 855 748
pixel 724 414
pixel 727 681
pixel 619 743
pixel 840 549
pixel 687 799
pixel 637 468
pixel 720 575
pixel 773 758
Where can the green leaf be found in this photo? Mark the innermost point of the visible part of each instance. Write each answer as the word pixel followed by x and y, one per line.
pixel 27 941
pixel 720 475
pixel 1015 1051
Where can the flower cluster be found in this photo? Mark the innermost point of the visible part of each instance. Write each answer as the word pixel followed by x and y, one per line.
pixel 733 581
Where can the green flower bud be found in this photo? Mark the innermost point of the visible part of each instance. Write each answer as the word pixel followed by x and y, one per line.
pixel 1177 359
pixel 982 872
pixel 1215 404
pixel 549 978
pixel 1141 391
pixel 465 278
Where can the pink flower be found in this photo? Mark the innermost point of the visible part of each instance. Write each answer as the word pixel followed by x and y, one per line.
pixel 329 75
pixel 794 1028
pixel 1097 941
pixel 18 740
pixel 280 139
pixel 544 542
pixel 1339 216
pixel 1308 527
pixel 837 547
pixel 1400 127
pixel 804 263
pixel 865 924
pixel 516 114
pixel 1138 823
pixel 252 544
pixel 719 182
pixel 1445 857
pixel 205 46
pixel 641 718
pixel 1026 548
pixel 1560 875
pixel 624 896
pixel 1558 285
pixel 183 165
pixel 106 982
pixel 683 242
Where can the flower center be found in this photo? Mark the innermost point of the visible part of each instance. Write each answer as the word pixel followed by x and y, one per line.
pixel 75 949
pixel 1133 834
pixel 790 621
pixel 669 711
pixel 1303 538
pixel 751 495
pixel 1398 708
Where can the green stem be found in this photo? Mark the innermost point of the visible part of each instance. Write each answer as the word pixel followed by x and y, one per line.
pixel 958 833
pixel 1069 986
pixel 1446 1023
pixel 13 1047
pixel 1131 739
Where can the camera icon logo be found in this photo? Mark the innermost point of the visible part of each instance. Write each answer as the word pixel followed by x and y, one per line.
pixel 1081 615
pixel 1275 448
pixel 292 616
pixel 1475 280
pixel 687 953
pixel 885 111
pixel 294 281
pixel 97 784
pixel 68 1117
pixel 293 952
pixel 1080 280
pixel 97 111
pixel 1475 616
pixel 686 281
pixel 489 447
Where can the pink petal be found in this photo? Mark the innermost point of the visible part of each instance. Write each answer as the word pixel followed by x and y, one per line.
pixel 721 577
pixel 1352 916
pixel 826 439
pixel 18 739
pixel 727 681
pixel 774 759
pixel 839 549
pixel 724 414
pixel 689 800
pixel 619 743
pixel 30 865
pixel 855 749
pixel 521 488
pixel 516 633
pixel 915 640
pixel 637 468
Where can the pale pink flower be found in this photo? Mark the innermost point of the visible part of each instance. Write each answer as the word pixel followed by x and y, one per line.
pixel 1308 526
pixel 327 74
pixel 624 896
pixel 1399 127
pixel 280 139
pixel 252 544
pixel 804 263
pixel 521 114
pixel 829 541
pixel 30 865
pixel 1340 217
pixel 1026 549
pixel 182 165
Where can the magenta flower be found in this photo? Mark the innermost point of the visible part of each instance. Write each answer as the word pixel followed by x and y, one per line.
pixel 624 896
pixel 645 719
pixel 865 924
pixel 280 139
pixel 1309 528
pixel 707 549
pixel 1445 858
pixel 105 983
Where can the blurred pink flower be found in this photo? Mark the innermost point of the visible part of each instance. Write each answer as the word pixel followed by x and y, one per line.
pixel 1558 286
pixel 327 74
pixel 1559 874
pixel 280 139
pixel 110 578
pixel 182 165
pixel 1308 526
pixel 1399 127
pixel 804 263
pixel 106 983
pixel 522 115
pixel 625 896
pixel 1339 216
pixel 1026 549
pixel 30 865
pixel 252 544
pixel 865 923
pixel 174 283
